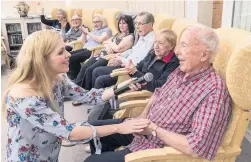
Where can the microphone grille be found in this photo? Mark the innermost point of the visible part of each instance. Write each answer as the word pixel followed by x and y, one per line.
pixel 148 77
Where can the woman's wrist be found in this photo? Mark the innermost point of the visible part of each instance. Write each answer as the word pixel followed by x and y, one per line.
pixel 117 128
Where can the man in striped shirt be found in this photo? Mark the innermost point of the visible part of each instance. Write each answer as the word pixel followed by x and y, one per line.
pixel 189 112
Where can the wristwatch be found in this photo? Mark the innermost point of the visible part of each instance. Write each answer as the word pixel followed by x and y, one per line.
pixel 154 131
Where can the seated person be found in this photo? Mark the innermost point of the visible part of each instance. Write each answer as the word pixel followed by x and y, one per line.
pixel 74 33
pixel 97 36
pixel 122 41
pixel 144 27
pixel 189 112
pixel 60 24
pixel 160 62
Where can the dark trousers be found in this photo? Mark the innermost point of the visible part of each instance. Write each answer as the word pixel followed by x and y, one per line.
pixel 101 77
pixel 84 78
pixel 109 144
pixel 76 58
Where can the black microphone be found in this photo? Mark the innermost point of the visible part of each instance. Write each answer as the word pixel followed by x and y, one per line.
pixel 146 78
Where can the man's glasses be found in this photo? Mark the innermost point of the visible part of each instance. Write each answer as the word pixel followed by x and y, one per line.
pixel 95 22
pixel 75 19
pixel 140 23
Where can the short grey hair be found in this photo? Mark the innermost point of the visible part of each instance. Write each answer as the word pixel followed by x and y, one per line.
pixel 206 36
pixel 149 16
pixel 102 19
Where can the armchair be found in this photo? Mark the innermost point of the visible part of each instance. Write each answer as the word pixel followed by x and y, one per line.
pixel 233 65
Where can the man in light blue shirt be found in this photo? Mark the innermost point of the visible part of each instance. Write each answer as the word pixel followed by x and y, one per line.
pixel 144 27
pixel 97 36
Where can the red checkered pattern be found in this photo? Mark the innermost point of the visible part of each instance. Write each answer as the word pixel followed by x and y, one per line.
pixel 197 106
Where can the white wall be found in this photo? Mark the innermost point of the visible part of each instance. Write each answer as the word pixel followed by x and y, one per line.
pixel 7 8
pixel 192 9
pixel 171 7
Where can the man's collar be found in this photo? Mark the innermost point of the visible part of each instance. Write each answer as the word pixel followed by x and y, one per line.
pixel 196 75
pixel 148 36
pixel 75 28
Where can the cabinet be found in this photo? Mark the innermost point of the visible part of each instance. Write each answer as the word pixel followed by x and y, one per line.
pixel 16 30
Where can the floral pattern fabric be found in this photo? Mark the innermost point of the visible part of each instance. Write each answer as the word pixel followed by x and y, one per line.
pixel 35 131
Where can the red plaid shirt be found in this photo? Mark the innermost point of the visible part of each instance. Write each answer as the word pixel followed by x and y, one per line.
pixel 197 106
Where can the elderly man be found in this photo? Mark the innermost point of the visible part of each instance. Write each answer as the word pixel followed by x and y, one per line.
pixel 189 112
pixel 74 33
pixel 144 27
pixel 97 36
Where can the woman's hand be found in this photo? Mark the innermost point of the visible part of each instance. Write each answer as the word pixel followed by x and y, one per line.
pixel 132 86
pixel 109 56
pixel 108 49
pixel 114 62
pixel 148 130
pixel 133 126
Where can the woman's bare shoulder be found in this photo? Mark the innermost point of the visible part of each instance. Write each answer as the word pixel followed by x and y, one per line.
pixel 21 90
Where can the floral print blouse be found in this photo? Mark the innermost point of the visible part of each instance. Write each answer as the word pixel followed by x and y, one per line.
pixel 35 131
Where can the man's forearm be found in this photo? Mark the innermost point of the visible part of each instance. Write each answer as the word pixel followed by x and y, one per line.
pixel 175 140
pixel 99 39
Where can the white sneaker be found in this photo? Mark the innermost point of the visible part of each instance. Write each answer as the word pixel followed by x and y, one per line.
pixel 88 149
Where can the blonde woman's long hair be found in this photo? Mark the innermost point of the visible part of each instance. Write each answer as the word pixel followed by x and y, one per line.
pixel 31 64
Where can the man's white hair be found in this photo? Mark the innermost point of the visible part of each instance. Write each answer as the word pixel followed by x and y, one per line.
pixel 206 36
pixel 76 16
pixel 102 19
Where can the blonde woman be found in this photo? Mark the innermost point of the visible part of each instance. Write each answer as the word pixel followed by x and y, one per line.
pixel 34 103
pixel 60 24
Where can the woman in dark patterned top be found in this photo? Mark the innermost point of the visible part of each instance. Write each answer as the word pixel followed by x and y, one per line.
pixel 120 42
pixel 35 103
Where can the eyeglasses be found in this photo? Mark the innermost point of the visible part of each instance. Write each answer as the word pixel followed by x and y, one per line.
pixel 140 23
pixel 159 43
pixel 75 19
pixel 95 22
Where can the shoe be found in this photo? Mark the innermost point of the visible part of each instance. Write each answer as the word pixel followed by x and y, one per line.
pixel 67 144
pixel 76 103
pixel 88 149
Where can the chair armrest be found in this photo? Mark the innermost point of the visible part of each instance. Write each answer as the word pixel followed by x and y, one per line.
pixel 75 42
pixel 98 47
pixel 120 69
pixel 168 153
pixel 119 73
pixel 76 45
pixel 133 104
pixel 135 94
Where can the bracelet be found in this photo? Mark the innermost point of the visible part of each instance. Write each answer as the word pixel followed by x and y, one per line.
pixel 249 110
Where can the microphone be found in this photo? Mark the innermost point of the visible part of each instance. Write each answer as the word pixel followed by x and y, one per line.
pixel 148 77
